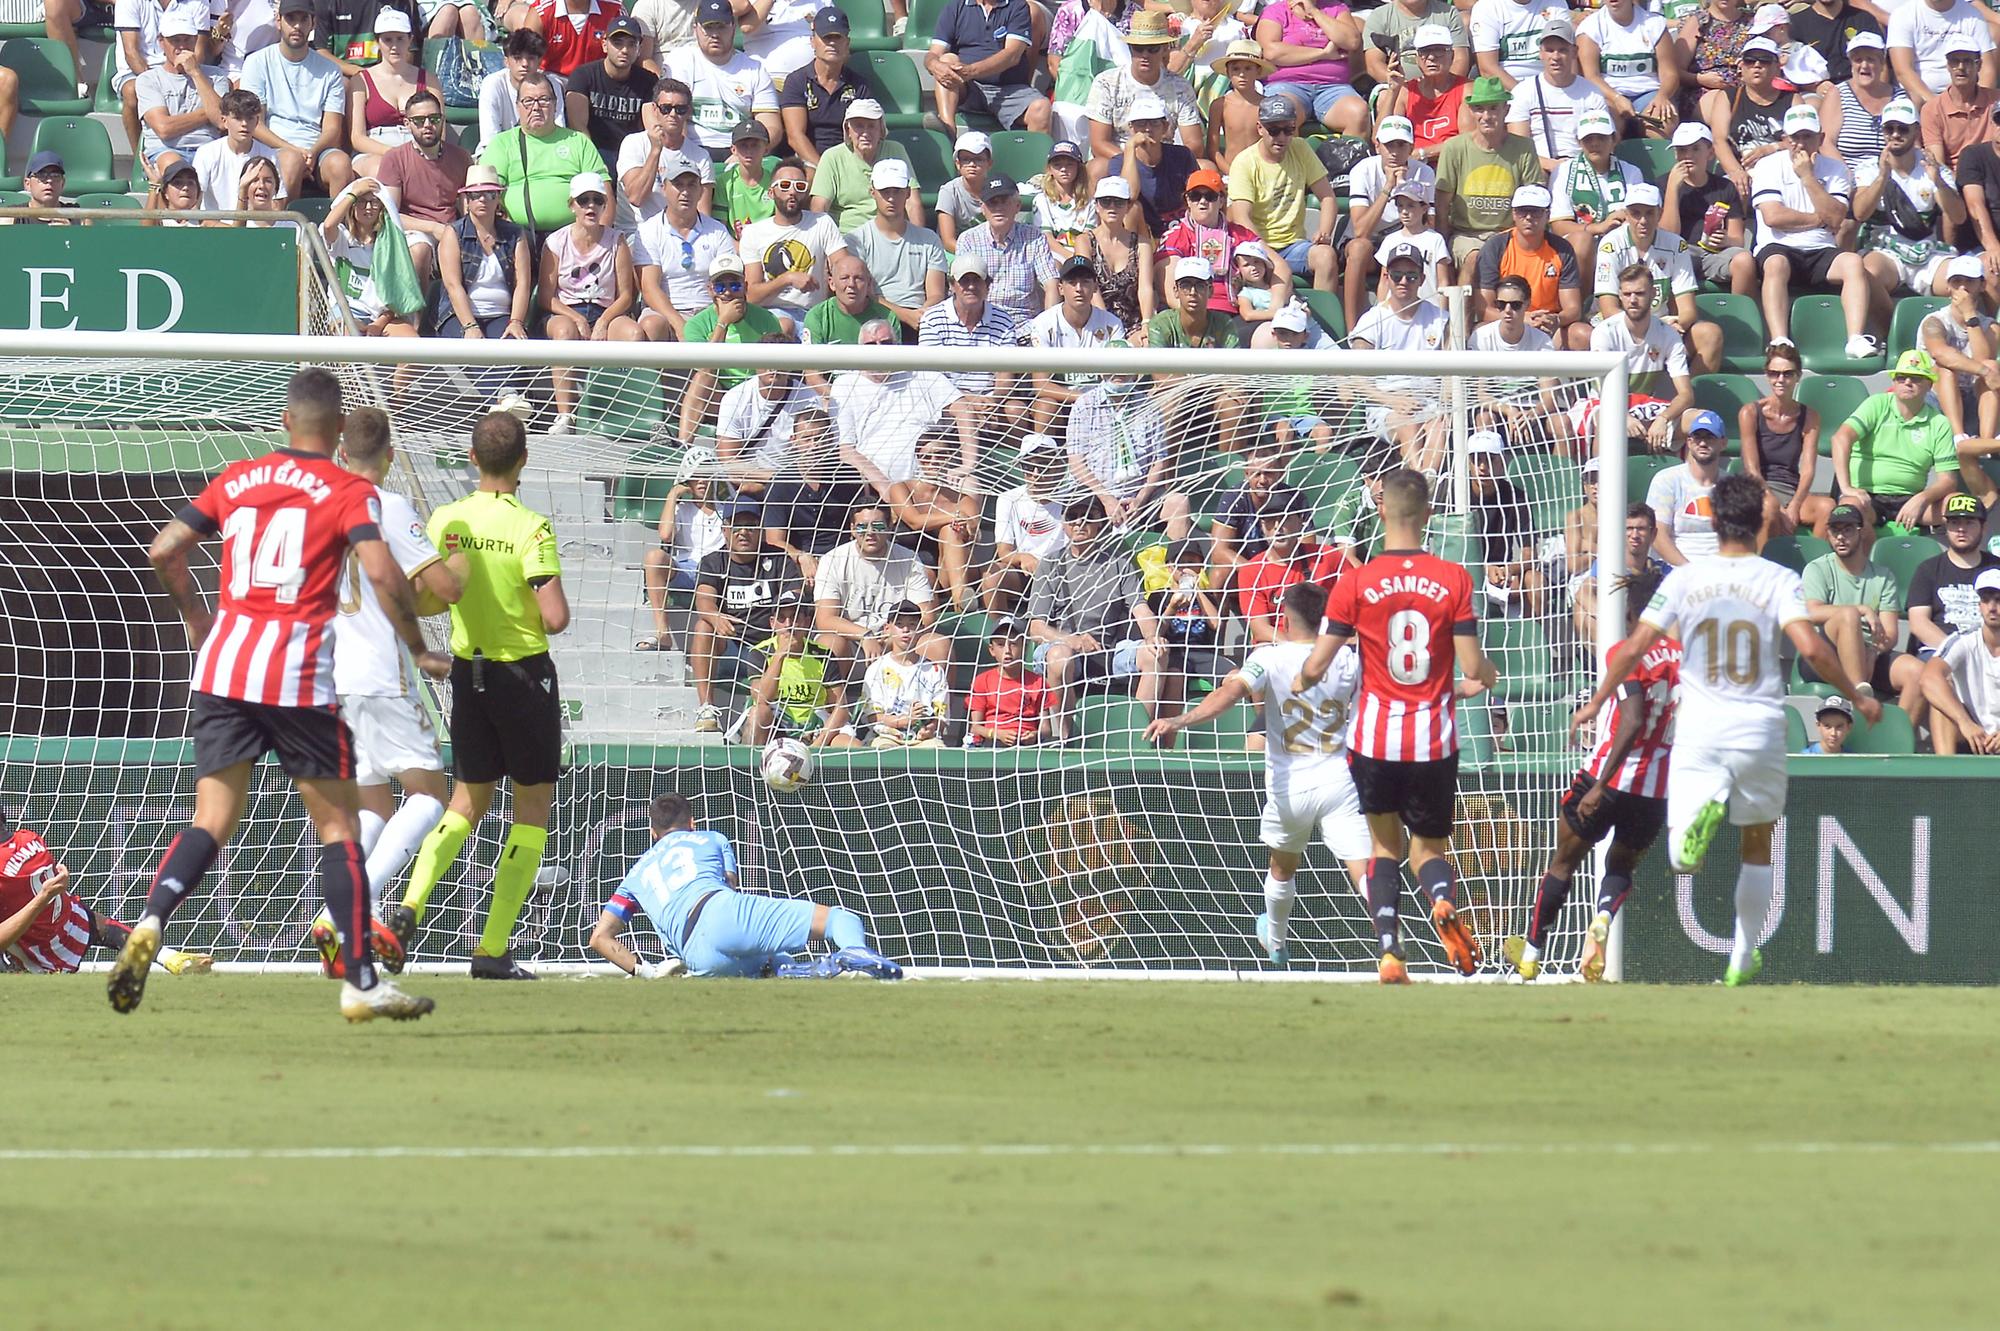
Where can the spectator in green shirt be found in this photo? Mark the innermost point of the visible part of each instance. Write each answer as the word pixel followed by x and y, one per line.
pixel 1857 606
pixel 743 183
pixel 1191 323
pixel 837 320
pixel 1884 454
pixel 537 159
pixel 732 318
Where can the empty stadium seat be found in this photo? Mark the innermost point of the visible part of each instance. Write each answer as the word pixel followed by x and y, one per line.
pixel 1326 307
pixel 1796 738
pixel 1520 651
pixel 1723 394
pixel 1640 471
pixel 1785 550
pixel 1834 397
pixel 1112 723
pixel 7 182
pixel 922 26
pixel 868 27
pixel 1892 735
pixel 1910 312
pixel 1653 157
pixel 1901 555
pixel 1021 153
pixel 893 78
pixel 48 76
pixel 620 403
pixel 930 157
pixel 86 154
pixel 1742 324
pixel 1820 330
pixel 642 497
pixel 126 201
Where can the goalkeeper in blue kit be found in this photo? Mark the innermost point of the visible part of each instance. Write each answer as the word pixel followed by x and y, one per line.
pixel 686 885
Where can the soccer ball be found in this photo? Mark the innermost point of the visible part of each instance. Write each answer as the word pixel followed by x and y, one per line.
pixel 787 764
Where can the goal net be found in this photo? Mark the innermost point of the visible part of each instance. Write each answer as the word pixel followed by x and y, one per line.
pixel 1100 854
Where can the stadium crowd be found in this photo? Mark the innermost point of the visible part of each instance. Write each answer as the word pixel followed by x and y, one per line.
pixel 1712 189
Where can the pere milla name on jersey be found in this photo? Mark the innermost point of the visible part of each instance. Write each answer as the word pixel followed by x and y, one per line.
pixel 285 473
pixel 1734 591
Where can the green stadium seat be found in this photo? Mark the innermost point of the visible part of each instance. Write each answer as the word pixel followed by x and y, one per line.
pixel 1902 554
pixel 1892 735
pixel 922 26
pixel 1785 550
pixel 1834 397
pixel 313 207
pixel 642 497
pixel 1324 479
pixel 111 201
pixel 468 137
pixel 892 77
pixel 621 403
pixel 1723 394
pixel 1021 153
pixel 86 152
pixel 47 74
pixel 1796 738
pixel 930 156
pixel 1653 157
pixel 1520 651
pixel 1743 336
pixel 13 199
pixel 7 182
pixel 868 27
pixel 1475 732
pixel 1909 316
pixel 1810 547
pixel 1112 723
pixel 1326 307
pixel 1640 471
pixel 1820 329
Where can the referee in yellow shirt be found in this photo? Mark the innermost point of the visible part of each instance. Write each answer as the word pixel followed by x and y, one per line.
pixel 506 711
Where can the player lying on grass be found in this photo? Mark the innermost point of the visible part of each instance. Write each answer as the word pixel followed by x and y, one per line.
pixel 1413 615
pixel 1622 790
pixel 45 928
pixel 1306 785
pixel 686 884
pixel 1729 610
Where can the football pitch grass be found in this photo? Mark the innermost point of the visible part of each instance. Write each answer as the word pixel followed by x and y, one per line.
pixel 999 1154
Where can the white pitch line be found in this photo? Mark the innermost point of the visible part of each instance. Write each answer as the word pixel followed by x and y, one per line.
pixel 999 1150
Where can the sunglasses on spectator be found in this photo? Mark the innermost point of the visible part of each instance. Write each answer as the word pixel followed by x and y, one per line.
pixel 675 108
pixel 1506 304
pixel 1911 379
pixel 871 526
pixel 425 120
pixel 1405 275
pixel 589 200
pixel 1279 131
pixel 726 286
pixel 790 186
pixel 1780 372
pixel 1202 196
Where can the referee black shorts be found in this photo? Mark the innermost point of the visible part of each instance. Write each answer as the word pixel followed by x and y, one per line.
pixel 506 720
pixel 1423 794
pixel 312 743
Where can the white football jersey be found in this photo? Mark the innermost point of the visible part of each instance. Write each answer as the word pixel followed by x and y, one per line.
pixel 369 660
pixel 1729 612
pixel 1304 733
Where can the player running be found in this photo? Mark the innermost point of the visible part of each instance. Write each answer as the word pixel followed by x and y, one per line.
pixel 1413 614
pixel 263 677
pixel 1729 609
pixel 686 884
pixel 45 927
pixel 1306 785
pixel 381 692
pixel 1622 790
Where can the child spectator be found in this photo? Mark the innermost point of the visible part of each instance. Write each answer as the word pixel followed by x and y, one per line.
pixel 1835 722
pixel 961 203
pixel 1063 209
pixel 220 162
pixel 692 527
pixel 906 694
pixel 359 234
pixel 1190 619
pixel 1371 187
pixel 1253 281
pixel 1589 189
pixel 1232 117
pixel 801 692
pixel 1007 701
pixel 1412 199
pixel 743 186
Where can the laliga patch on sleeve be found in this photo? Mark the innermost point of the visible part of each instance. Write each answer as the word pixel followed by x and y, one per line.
pixel 417 530
pixel 374 507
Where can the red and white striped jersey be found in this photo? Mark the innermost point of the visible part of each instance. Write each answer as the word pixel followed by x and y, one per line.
pixel 1405 607
pixel 1644 771
pixel 55 942
pixel 286 522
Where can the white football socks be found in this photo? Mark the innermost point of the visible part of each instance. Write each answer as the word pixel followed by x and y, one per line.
pixel 398 843
pixel 372 824
pixel 1754 886
pixel 1278 905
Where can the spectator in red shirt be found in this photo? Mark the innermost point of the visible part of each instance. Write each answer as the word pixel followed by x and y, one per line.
pixel 1288 557
pixel 1005 708
pixel 573 29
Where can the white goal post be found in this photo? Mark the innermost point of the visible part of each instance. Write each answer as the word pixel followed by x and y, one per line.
pixel 1106 856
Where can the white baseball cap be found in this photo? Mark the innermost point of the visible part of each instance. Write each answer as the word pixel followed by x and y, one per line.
pixel 1113 187
pixel 972 141
pixel 1595 121
pixel 1485 441
pixel 1291 318
pixel 1801 119
pixel 1431 34
pixel 1193 269
pixel 1642 194
pixel 588 182
pixel 1252 249
pixel 862 108
pixel 1989 581
pixel 391 20
pixel 1866 41
pixel 726 263
pixel 674 165
pixel 1768 17
pixel 1146 106
pixel 175 23
pixel 1759 46
pixel 1968 266
pixel 1033 445
pixel 1690 133
pixel 890 173
pixel 1395 129
pixel 1590 466
pixel 1531 196
pixel 968 263
pixel 1901 110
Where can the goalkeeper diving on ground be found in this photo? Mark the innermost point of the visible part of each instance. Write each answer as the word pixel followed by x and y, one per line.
pixel 686 885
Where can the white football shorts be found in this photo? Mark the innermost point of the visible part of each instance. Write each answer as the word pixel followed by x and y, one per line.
pixel 1751 780
pixel 391 735
pixel 1328 804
